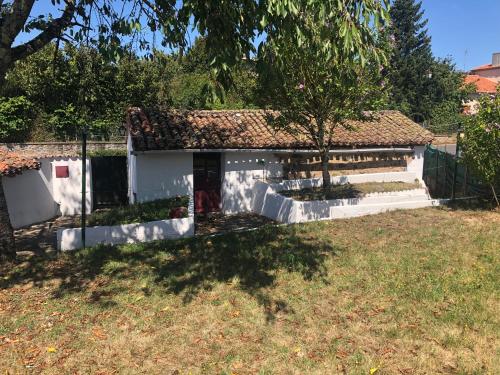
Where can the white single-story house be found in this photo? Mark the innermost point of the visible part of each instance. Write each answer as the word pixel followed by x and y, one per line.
pixel 217 156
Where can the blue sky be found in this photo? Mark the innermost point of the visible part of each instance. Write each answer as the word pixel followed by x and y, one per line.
pixel 465 30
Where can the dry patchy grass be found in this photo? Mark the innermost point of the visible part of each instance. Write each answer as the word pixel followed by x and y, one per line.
pixel 410 292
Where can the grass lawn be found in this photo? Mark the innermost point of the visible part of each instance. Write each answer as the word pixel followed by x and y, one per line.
pixel 137 213
pixel 407 292
pixel 344 191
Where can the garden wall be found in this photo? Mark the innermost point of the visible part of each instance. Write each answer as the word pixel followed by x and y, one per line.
pixel 70 239
pixel 268 202
pixel 41 149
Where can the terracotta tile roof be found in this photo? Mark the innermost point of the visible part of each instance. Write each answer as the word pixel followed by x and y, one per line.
pixel 484 67
pixel 483 85
pixel 12 163
pixel 248 129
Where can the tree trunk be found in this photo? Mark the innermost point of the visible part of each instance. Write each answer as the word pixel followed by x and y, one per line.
pixel 7 244
pixel 325 159
pixel 5 64
pixel 495 195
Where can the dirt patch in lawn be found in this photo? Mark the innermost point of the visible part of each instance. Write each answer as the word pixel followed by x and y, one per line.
pixel 407 292
pixel 346 191
pixel 40 239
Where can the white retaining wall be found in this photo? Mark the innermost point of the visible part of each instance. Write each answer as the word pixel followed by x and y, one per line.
pixel 70 239
pixel 268 202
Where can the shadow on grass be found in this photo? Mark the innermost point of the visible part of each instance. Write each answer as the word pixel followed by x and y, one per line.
pixel 188 266
pixel 473 204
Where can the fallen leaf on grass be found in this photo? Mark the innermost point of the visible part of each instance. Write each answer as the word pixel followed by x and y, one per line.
pixel 341 354
pixel 51 349
pixel 373 370
pixel 99 334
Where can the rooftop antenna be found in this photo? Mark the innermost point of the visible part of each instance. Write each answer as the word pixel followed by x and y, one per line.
pixel 465 59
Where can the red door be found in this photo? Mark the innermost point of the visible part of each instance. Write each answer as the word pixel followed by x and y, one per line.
pixel 207 182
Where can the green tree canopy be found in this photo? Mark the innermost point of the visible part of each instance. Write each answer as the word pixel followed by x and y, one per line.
pixel 327 71
pixel 424 88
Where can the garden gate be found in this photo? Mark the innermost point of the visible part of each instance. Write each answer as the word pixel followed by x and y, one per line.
pixel 109 181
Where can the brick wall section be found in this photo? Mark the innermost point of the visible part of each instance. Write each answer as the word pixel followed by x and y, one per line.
pixel 70 149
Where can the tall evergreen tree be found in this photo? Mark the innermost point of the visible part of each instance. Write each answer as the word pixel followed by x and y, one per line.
pixel 411 64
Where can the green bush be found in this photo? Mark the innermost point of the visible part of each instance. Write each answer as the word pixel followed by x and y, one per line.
pixel 66 121
pixel 481 143
pixel 446 117
pixel 138 213
pixel 15 118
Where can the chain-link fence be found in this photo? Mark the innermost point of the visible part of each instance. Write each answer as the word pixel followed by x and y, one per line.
pixel 445 175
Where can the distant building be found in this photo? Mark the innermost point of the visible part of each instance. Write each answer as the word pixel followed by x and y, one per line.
pixel 490 71
pixel 486 79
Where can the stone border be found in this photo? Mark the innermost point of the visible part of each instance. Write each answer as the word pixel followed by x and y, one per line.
pixel 70 239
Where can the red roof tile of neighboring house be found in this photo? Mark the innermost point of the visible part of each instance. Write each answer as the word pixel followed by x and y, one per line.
pixel 483 85
pixel 484 67
pixel 12 163
pixel 249 129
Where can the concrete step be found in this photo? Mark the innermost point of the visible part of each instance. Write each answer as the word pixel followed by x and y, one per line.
pixel 372 209
pixel 306 213
pixel 378 198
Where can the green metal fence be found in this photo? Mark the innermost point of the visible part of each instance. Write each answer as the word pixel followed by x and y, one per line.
pixel 444 175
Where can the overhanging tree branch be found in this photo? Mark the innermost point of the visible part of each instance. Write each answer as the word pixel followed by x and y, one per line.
pixel 13 21
pixel 53 30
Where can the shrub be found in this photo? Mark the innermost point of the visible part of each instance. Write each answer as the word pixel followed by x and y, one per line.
pixel 15 118
pixel 481 143
pixel 139 213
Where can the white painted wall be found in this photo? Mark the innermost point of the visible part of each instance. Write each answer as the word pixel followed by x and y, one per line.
pixel 163 175
pixel 36 196
pixel 67 192
pixel 240 171
pixel 268 202
pixel 29 196
pixel 416 163
pixel 71 238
